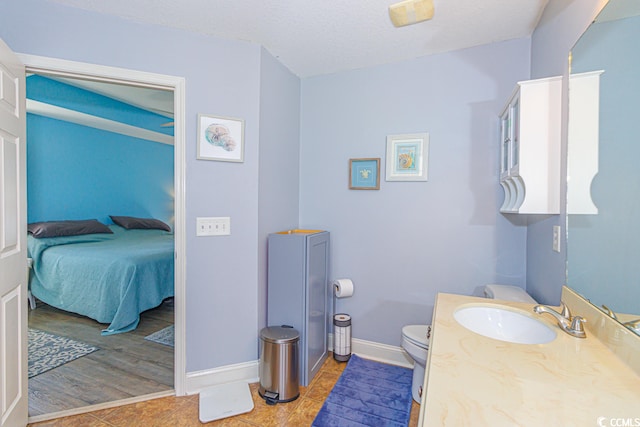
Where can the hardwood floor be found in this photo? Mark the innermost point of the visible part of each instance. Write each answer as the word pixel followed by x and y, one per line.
pixel 126 365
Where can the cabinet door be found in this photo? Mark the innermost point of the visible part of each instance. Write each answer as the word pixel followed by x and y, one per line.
pixel 510 139
pixel 316 302
pixel 505 142
pixel 514 157
pixel 286 281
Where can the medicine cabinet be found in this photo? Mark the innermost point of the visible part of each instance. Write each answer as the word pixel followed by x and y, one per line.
pixel 530 148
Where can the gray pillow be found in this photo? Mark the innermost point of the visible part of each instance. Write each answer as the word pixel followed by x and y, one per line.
pixel 67 228
pixel 130 222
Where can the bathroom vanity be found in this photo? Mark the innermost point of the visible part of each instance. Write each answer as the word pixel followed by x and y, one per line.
pixel 473 380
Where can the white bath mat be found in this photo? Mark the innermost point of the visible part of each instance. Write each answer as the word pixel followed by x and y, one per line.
pixel 225 400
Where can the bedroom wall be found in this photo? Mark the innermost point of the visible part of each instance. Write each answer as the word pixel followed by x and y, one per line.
pixel 408 241
pixel 222 78
pixel 560 26
pixel 78 172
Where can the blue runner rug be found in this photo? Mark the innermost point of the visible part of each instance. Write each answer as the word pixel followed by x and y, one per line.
pixel 368 393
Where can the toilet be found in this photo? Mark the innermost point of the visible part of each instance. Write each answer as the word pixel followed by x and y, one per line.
pixel 415 338
pixel 508 293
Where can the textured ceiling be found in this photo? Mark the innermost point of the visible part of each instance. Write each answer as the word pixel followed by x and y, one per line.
pixel 326 36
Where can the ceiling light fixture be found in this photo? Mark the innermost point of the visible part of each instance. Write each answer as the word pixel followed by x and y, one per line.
pixel 409 12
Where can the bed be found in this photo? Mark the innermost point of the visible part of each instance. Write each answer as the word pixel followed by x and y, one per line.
pixel 109 277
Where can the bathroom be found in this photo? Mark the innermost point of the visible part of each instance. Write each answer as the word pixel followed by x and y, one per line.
pixel 402 244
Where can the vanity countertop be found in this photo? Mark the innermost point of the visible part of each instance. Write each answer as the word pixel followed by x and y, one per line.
pixel 477 381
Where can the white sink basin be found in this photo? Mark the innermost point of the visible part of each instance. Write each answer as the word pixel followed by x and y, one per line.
pixel 504 324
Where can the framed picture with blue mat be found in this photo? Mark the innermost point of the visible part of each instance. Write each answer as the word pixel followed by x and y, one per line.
pixel 368 393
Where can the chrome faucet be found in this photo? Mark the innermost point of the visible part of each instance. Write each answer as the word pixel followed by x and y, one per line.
pixel 573 325
pixel 610 312
pixel 634 325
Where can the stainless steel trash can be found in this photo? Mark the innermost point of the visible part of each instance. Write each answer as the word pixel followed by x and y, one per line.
pixel 279 364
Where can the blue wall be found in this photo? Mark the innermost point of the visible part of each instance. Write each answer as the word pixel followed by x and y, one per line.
pixel 279 195
pixel 603 249
pixel 401 244
pixel 561 25
pixel 221 272
pixel 406 242
pixel 78 172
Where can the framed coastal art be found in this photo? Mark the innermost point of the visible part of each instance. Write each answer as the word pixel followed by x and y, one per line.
pixel 364 174
pixel 220 138
pixel 407 157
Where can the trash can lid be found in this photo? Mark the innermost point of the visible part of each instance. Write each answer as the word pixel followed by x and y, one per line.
pixel 279 334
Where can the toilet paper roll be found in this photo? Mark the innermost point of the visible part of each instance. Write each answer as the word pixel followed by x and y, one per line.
pixel 343 288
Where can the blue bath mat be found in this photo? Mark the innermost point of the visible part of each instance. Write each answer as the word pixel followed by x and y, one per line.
pixel 368 393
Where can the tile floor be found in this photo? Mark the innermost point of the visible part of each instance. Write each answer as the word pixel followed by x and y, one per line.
pixel 183 411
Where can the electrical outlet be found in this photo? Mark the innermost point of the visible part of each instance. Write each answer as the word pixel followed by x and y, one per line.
pixel 213 226
pixel 556 238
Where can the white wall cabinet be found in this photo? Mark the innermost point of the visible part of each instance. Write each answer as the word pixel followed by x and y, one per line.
pixel 530 148
pixel 582 157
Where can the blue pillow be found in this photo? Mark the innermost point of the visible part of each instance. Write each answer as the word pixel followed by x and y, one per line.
pixel 67 228
pixel 130 222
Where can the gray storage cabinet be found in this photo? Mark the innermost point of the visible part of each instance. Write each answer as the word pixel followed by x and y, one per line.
pixel 298 292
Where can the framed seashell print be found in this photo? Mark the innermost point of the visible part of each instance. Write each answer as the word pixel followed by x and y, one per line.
pixel 220 138
pixel 364 174
pixel 407 157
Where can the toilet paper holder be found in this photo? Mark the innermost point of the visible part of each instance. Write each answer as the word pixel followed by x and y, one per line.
pixel 342 288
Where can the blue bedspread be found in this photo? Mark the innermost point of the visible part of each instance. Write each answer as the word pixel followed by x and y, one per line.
pixel 111 278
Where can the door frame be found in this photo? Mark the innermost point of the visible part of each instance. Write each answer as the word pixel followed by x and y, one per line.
pixel 60 67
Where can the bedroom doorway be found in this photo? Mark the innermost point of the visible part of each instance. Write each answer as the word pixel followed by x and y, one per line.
pixel 171 310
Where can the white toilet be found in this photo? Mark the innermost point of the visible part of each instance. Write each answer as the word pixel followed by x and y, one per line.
pixel 415 338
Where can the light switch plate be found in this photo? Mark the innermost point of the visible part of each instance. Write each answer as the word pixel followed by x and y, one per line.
pixel 213 226
pixel 556 238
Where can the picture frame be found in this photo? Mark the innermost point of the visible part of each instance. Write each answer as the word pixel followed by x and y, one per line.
pixel 220 138
pixel 364 174
pixel 407 157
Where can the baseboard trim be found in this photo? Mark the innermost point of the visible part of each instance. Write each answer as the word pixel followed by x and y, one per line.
pixel 248 371
pixel 98 407
pixel 379 352
pixel 196 381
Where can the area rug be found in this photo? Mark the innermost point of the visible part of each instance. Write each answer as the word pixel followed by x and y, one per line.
pixel 47 351
pixel 368 393
pixel 163 336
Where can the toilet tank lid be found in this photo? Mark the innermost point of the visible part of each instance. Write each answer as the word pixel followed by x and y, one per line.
pixel 419 334
pixel 508 293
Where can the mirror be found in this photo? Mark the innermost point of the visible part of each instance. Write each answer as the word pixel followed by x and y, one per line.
pixel 603 244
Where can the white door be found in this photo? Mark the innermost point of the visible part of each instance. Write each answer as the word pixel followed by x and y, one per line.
pixel 13 247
